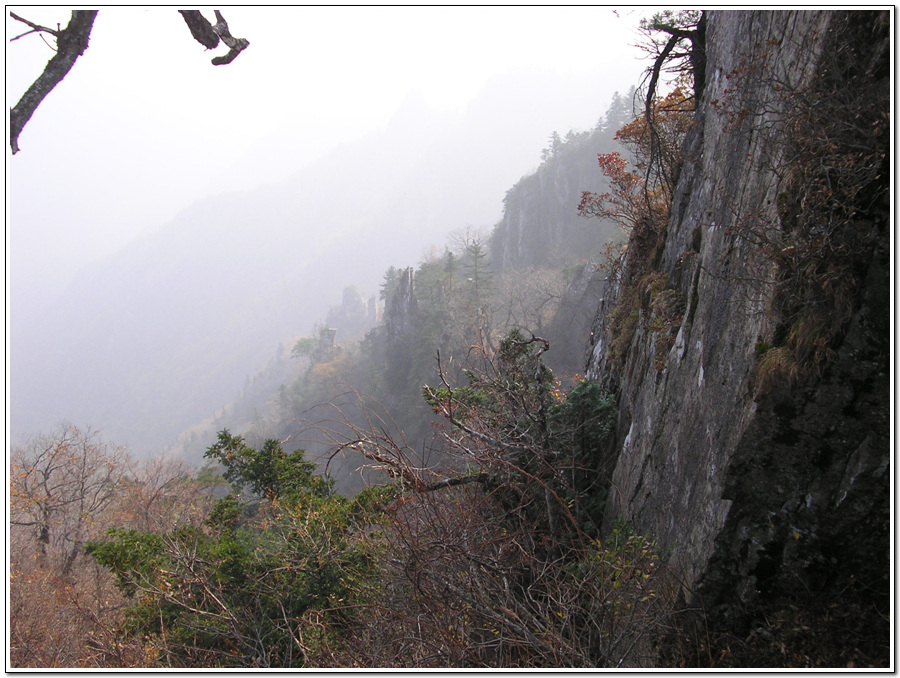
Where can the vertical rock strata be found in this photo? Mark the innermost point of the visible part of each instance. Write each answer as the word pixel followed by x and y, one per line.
pixel 755 491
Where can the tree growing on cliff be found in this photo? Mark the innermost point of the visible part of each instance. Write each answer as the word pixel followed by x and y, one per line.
pixel 683 52
pixel 640 195
pixel 676 40
pixel 621 111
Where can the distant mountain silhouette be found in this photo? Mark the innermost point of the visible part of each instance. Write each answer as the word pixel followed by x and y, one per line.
pixel 160 335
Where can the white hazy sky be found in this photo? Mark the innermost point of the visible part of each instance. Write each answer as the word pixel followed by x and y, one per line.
pixel 144 125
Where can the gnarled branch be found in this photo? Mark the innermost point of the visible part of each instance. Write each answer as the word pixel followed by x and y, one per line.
pixel 200 28
pixel 71 43
pixel 208 34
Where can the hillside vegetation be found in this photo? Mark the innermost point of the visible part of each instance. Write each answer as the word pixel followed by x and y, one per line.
pixel 429 480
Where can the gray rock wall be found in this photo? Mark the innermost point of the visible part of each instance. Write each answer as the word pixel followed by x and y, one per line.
pixel 540 224
pixel 750 494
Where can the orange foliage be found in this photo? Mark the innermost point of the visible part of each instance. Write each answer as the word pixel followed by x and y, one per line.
pixel 640 196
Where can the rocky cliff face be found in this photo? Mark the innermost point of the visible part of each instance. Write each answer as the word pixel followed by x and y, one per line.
pixel 540 224
pixel 766 486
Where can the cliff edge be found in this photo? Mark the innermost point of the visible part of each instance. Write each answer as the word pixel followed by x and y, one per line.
pixel 754 391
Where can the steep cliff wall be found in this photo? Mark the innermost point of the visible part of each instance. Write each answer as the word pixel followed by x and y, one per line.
pixel 763 484
pixel 540 224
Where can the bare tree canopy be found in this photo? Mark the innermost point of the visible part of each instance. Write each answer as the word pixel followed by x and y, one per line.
pixel 72 41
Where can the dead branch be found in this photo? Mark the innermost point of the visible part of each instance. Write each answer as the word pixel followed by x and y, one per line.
pixel 35 28
pixel 70 44
pixel 208 34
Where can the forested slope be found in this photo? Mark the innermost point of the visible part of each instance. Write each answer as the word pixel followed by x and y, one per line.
pixel 532 272
pixel 163 333
pixel 436 484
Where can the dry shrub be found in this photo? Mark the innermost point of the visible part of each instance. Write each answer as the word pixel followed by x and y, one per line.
pixel 67 622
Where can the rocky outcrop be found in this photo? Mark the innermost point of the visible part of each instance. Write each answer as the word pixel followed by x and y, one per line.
pixel 760 488
pixel 402 306
pixel 540 224
pixel 573 320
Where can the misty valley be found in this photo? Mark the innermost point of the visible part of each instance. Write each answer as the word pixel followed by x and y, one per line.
pixel 354 420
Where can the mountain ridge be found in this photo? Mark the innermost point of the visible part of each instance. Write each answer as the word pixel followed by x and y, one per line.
pixel 134 310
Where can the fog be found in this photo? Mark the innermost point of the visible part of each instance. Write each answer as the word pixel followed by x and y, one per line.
pixel 170 223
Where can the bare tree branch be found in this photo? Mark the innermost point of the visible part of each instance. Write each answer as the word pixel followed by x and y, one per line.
pixel 201 29
pixel 237 45
pixel 208 34
pixel 71 44
pixel 35 28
